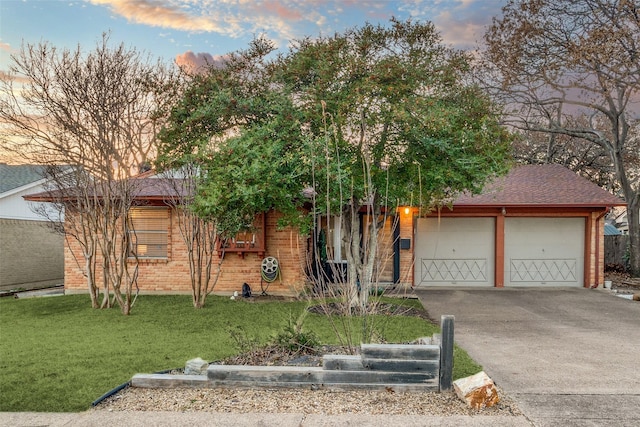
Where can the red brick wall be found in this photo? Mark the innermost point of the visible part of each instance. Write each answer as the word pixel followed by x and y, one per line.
pixel 172 275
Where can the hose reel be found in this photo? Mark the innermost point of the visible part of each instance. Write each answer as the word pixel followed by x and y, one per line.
pixel 269 272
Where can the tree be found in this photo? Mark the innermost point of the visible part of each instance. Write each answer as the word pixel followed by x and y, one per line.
pixel 365 121
pixel 588 160
pixel 571 70
pixel 242 134
pixel 95 112
pixel 198 234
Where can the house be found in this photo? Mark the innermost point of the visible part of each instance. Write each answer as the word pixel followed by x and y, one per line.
pixel 163 263
pixel 31 253
pixel 620 221
pixel 541 225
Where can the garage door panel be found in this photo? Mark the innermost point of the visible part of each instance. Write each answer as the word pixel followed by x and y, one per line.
pixel 544 270
pixel 454 270
pixel 452 251
pixel 544 251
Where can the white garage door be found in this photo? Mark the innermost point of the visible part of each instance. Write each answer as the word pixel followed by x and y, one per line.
pixel 544 251
pixel 454 251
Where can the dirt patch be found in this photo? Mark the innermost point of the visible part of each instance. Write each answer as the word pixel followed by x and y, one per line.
pixel 623 282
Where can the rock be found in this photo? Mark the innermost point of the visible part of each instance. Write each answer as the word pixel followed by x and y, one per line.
pixel 196 366
pixel 636 297
pixel 477 391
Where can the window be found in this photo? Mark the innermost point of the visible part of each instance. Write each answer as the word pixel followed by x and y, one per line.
pixel 332 228
pixel 247 241
pixel 149 232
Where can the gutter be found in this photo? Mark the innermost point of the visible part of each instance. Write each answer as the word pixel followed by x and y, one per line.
pixel 598 247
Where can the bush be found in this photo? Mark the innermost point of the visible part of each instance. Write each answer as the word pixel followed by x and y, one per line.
pixel 295 340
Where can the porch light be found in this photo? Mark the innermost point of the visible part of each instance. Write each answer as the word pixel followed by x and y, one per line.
pixel 407 210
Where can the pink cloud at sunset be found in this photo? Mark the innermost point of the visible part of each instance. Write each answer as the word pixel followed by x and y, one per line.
pixel 194 62
pixel 166 15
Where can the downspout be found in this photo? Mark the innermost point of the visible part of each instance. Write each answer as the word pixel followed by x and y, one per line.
pixel 598 247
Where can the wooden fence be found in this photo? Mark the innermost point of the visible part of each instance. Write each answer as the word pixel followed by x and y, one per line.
pixel 615 248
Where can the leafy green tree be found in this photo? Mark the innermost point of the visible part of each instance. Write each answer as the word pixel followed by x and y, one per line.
pixel 366 121
pixel 242 131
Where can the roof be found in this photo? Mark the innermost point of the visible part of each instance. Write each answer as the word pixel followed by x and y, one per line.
pixel 611 230
pixel 540 185
pixel 159 188
pixel 146 188
pixel 525 185
pixel 15 176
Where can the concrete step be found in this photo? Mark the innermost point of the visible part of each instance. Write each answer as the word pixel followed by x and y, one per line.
pixel 402 365
pixel 342 362
pixel 287 375
pixel 400 351
pixel 169 381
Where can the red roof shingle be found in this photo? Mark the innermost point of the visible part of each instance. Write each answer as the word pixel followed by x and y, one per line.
pixel 541 185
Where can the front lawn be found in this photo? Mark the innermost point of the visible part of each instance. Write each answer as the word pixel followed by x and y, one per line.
pixel 57 354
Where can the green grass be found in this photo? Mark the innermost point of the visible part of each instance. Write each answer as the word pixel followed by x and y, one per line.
pixel 58 354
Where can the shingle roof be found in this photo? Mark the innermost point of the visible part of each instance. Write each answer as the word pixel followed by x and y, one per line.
pixel 159 188
pixel 526 185
pixel 14 176
pixel 142 189
pixel 541 185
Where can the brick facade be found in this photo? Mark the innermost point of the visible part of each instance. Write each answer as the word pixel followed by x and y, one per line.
pixel 171 275
pixel 290 248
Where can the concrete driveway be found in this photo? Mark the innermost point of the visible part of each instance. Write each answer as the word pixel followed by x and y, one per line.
pixel 570 357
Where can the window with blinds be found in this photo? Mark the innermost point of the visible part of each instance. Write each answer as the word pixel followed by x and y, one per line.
pixel 149 232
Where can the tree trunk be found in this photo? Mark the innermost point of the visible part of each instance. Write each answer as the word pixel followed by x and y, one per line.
pixel 90 272
pixel 369 255
pixel 632 196
pixel 633 219
pixel 352 247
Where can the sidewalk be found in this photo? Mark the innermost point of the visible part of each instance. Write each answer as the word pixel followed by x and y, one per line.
pixel 197 419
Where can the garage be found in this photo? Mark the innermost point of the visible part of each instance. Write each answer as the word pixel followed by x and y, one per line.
pixel 454 251
pixel 538 226
pixel 544 251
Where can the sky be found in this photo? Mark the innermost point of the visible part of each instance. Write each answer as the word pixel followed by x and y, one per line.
pixel 188 31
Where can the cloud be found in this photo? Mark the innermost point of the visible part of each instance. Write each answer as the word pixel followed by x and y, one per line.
pixel 462 23
pixel 15 78
pixel 280 10
pixel 463 34
pixel 196 62
pixel 6 47
pixel 167 15
pixel 284 20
